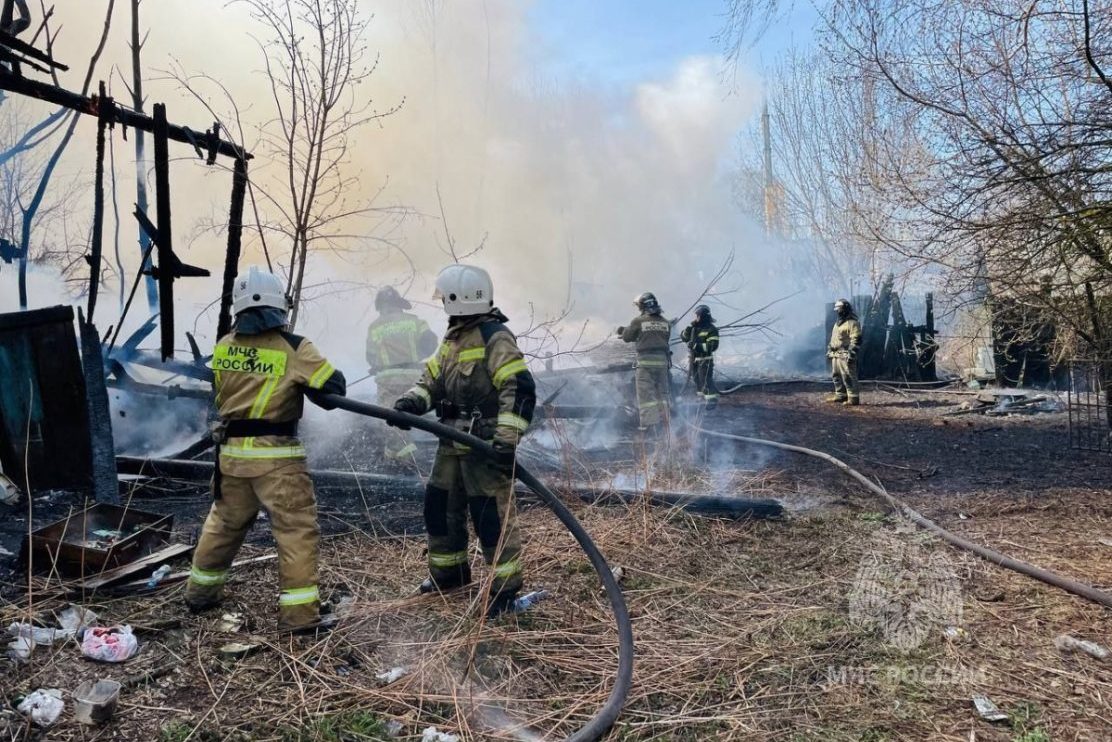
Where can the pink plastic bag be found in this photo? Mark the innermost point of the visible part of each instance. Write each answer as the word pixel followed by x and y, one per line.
pixel 109 644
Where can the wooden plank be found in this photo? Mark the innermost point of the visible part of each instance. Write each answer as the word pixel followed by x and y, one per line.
pixel 179 576
pixel 153 560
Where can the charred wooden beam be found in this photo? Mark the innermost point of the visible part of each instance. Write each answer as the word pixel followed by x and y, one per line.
pixel 235 237
pixel 97 242
pixel 163 241
pixel 105 487
pixel 379 488
pixel 124 116
pixel 22 47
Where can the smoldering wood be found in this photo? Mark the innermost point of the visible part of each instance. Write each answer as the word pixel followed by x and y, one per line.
pixel 380 489
pixel 43 415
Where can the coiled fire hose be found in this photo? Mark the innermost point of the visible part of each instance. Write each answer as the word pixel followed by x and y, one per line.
pixel 1050 578
pixel 608 714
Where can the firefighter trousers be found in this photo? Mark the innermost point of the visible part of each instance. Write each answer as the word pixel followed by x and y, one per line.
pixel 703 378
pixel 654 392
pixel 462 484
pixel 844 371
pixel 397 445
pixel 285 492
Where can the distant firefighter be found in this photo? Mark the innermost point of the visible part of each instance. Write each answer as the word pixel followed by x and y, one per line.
pixel 845 340
pixel 397 343
pixel 261 375
pixel 652 333
pixel 478 383
pixel 701 338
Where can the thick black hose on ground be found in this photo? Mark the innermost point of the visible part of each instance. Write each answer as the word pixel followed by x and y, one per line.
pixel 608 714
pixel 1003 560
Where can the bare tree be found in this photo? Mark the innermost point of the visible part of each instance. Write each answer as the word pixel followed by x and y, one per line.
pixel 135 90
pixel 30 208
pixel 1010 111
pixel 317 66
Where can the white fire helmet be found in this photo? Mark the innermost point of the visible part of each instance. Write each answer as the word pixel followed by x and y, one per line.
pixel 464 290
pixel 258 288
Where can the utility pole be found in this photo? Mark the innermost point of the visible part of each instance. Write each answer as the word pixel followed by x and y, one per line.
pixel 771 189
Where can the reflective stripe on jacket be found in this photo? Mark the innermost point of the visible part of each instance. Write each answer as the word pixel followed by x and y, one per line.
pixel 652 334
pixel 398 339
pixel 701 339
pixel 265 377
pixel 480 368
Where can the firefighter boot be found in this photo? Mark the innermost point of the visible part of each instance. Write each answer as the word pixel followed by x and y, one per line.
pixel 836 399
pixel 446 580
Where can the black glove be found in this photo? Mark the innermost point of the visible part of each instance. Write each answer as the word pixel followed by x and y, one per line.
pixel 504 456
pixel 405 404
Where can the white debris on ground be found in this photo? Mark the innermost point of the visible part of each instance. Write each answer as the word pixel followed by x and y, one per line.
pixel 43 706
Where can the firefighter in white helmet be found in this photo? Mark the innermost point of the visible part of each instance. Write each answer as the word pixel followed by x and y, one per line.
pixel 845 341
pixel 261 375
pixel 477 382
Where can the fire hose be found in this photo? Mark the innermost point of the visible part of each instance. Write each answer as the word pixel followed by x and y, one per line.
pixel 1003 560
pixel 606 716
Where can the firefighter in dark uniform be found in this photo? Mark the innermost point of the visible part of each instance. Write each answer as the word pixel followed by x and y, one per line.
pixel 477 382
pixel 701 338
pixel 651 333
pixel 261 375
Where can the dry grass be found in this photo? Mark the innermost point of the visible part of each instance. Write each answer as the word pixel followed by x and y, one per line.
pixel 744 631
pixel 738 627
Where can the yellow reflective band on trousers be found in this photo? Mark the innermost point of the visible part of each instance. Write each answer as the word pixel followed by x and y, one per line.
pixel 208 576
pixel 447 559
pixel 321 375
pixel 650 405
pixel 469 355
pixel 506 370
pixel 299 596
pixel 263 452
pixel 399 373
pixel 249 360
pixel 507 569
pixel 404 451
pixel 510 420
pixel 651 362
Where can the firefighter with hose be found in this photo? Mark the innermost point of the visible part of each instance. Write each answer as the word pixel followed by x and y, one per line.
pixel 262 373
pixel 478 383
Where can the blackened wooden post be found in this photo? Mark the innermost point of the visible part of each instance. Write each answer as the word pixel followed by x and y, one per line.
pixel 104 104
pixel 105 483
pixel 165 243
pixel 235 240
